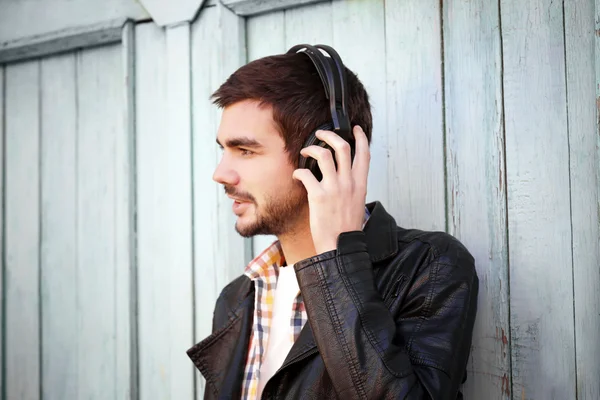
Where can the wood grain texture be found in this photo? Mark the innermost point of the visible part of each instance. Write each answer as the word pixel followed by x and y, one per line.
pixel 220 254
pixel 254 7
pixel 2 197
pixel 126 368
pixel 258 28
pixel 539 219
pixel 64 40
pixel 475 178
pixel 59 277
pixel 22 322
pixel 23 19
pixel 585 184
pixel 414 113
pixel 164 211
pixel 310 25
pixel 360 30
pixel 99 244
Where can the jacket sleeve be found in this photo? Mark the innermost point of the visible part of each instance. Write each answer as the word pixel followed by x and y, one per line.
pixel 369 353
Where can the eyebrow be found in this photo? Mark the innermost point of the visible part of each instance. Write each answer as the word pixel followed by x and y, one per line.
pixel 242 141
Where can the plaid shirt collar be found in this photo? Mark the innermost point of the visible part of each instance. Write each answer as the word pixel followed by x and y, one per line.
pixel 264 271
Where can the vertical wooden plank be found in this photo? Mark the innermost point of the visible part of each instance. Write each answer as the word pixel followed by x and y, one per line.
pixel 265 36
pixel 475 178
pixel 150 106
pixel 59 290
pixel 585 181
pixel 539 220
pixel 370 17
pixel 309 24
pixel 22 322
pixel 165 211
pixel 220 254
pixel 2 249
pixel 414 113
pixel 126 369
pixel 100 128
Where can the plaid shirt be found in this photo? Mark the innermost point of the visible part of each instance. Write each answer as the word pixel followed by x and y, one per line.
pixel 264 271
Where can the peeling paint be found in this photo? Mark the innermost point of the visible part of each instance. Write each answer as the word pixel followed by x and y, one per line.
pixel 505 385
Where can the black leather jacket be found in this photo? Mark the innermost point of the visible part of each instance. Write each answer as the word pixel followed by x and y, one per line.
pixel 390 316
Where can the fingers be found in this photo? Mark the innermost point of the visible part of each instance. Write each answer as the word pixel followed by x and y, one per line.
pixel 362 157
pixel 307 178
pixel 341 149
pixel 324 159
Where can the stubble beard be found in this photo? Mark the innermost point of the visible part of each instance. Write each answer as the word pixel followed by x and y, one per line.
pixel 277 216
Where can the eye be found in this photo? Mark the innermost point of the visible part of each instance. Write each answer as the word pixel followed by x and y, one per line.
pixel 246 152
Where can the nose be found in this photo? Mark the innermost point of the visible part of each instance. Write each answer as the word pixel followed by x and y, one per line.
pixel 224 174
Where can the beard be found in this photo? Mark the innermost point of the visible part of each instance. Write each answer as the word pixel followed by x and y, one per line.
pixel 278 215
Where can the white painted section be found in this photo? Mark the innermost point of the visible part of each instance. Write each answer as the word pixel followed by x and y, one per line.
pixel 414 111
pixel 22 322
pixel 2 191
pixel 271 25
pixel 476 182
pixel 26 18
pixel 172 12
pixel 585 186
pixel 164 198
pixel 59 273
pixel 539 220
pixel 220 254
pixel 254 7
pixel 369 64
pixel 310 25
pixel 100 248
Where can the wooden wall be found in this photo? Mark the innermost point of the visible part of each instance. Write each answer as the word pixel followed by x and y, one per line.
pixel 116 242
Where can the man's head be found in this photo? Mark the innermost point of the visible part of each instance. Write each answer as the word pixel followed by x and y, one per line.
pixel 270 107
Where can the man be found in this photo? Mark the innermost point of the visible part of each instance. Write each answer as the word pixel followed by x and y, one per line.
pixel 345 304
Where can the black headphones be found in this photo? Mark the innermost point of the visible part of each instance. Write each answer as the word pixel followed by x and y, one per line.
pixel 336 91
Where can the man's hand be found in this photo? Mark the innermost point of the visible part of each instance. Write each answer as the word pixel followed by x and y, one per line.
pixel 337 203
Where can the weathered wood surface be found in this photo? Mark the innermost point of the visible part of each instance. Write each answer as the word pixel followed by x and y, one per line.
pixel 101 202
pixel 22 333
pixel 26 19
pixel 585 185
pixel 414 113
pixel 476 181
pixel 173 12
pixel 59 285
pixel 164 211
pixel 64 40
pixel 2 197
pixel 539 210
pixel 254 7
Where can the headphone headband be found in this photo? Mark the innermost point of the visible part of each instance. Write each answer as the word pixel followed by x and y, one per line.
pixel 334 83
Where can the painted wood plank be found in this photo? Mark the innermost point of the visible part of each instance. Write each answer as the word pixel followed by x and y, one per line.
pixel 164 211
pixel 220 254
pixel 173 12
pixel 61 41
pixel 475 179
pixel 59 289
pixel 24 19
pixel 352 43
pixel 585 185
pixel 126 368
pixel 22 322
pixel 100 129
pixel 258 28
pixel 254 7
pixel 2 192
pixel 310 25
pixel 539 220
pixel 414 113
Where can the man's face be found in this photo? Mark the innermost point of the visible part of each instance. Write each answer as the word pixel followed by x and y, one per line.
pixel 256 172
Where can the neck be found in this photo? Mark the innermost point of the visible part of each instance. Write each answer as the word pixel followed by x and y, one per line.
pixel 297 244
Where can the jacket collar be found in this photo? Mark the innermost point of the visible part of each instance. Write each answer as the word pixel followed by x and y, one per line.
pixel 221 357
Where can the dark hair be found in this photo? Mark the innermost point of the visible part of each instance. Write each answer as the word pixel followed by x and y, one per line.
pixel 290 84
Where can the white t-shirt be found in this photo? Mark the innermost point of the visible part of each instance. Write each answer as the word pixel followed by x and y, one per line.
pixel 280 332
